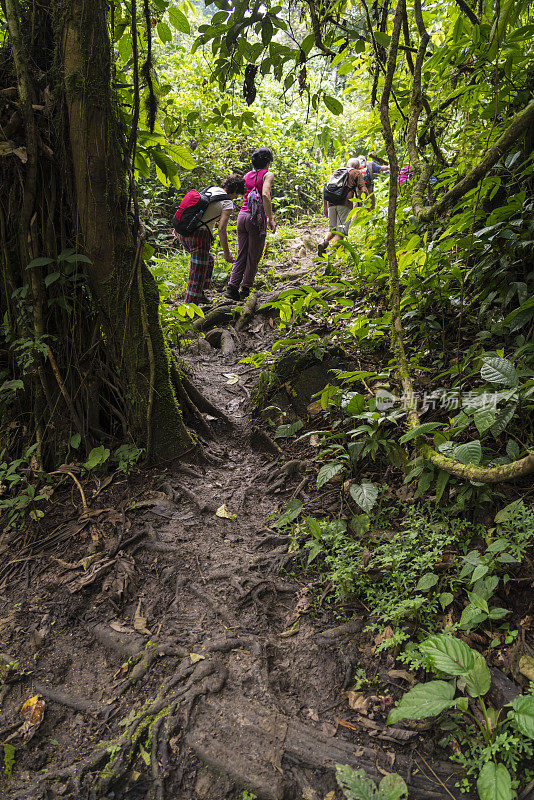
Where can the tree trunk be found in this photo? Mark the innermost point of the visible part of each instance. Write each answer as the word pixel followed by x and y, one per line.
pixel 124 291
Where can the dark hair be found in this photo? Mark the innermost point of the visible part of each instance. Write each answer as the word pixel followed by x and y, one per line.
pixel 234 184
pixel 262 158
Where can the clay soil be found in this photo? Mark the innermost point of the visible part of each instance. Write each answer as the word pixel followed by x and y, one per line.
pixel 137 598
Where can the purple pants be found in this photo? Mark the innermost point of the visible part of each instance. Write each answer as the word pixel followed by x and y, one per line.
pixel 250 244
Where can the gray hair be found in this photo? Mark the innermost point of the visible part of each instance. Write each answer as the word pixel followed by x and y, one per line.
pixel 353 163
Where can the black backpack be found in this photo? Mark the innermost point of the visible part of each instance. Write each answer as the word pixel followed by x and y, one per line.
pixel 337 188
pixel 188 217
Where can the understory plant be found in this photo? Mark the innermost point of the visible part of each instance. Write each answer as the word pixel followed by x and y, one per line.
pixel 496 744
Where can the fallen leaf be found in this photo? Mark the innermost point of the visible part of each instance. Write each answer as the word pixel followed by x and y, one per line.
pixel 117 626
pixel 401 673
pixel 32 712
pixel 140 621
pixel 386 634
pixel 359 702
pixel 223 512
pixel 231 378
pixel 346 724
pixel 196 657
pixel 526 667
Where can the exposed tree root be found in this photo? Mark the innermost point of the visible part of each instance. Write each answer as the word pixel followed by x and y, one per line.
pixel 262 441
pixel 221 339
pixel 247 312
pixel 218 316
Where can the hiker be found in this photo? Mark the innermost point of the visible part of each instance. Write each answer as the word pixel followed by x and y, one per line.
pixel 345 184
pixel 255 217
pixel 194 223
pixel 370 169
pixel 405 174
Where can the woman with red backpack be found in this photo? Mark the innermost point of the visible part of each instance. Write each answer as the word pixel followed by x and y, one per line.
pixel 255 217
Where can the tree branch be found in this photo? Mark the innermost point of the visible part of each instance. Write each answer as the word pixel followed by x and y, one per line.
pixel 469 13
pixel 520 123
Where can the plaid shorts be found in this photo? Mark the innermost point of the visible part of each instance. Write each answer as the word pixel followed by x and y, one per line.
pixel 202 261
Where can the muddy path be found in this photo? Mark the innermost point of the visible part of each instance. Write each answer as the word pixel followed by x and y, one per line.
pixel 176 647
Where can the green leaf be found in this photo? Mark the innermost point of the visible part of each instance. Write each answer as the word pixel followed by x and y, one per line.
pixel 479 572
pixel 365 494
pixel 97 456
pixel 523 716
pixel 382 38
pixel 424 700
pixel 478 679
pixel 445 599
pixel 283 431
pixel 292 511
pixel 507 512
pixel 469 452
pixel 327 472
pixel 448 654
pixel 499 370
pixel 164 32
pixel 40 262
pixel 178 20
pixel 494 782
pixel 51 278
pixel 332 104
pixel 9 760
pixel 308 43
pixel 75 440
pixel 503 418
pixel 498 613
pixel 392 787
pixel 182 156
pixel 441 484
pixel 356 784
pixel 484 419
pixel 266 30
pixel 478 601
pixel 426 582
pixel 420 430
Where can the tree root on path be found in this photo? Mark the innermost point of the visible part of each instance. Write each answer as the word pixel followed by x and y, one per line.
pixel 260 440
pixel 147 734
pixel 247 312
pixel 216 317
pixel 221 339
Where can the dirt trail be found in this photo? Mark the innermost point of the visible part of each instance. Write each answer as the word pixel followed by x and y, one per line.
pixel 240 673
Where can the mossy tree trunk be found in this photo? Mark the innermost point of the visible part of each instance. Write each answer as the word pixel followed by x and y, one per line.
pixel 78 196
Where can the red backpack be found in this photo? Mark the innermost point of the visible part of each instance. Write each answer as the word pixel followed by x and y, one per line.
pixel 188 217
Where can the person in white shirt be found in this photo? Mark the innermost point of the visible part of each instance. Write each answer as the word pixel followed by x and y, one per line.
pixel 199 243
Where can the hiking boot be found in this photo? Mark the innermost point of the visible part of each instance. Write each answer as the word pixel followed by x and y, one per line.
pixel 321 249
pixel 231 293
pixel 244 292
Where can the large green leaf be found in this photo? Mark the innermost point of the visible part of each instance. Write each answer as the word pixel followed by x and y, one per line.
pixel 503 418
pixel 327 472
pixel 494 782
pixel 392 787
pixel 426 582
pixel 164 32
pixel 499 370
pixel 181 155
pixel 356 784
pixel 424 700
pixel 478 679
pixel 523 706
pixel 420 430
pixel 469 452
pixel 332 104
pixel 365 494
pixel 178 20
pixel 484 419
pixel 448 654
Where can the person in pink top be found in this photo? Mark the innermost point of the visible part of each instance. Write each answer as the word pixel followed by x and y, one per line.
pixel 251 233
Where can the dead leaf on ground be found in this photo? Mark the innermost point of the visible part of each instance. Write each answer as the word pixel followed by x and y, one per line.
pixel 223 512
pixel 359 702
pixel 120 579
pixel 384 635
pixel 196 657
pixel 401 673
pixel 94 572
pixel 526 667
pixel 119 627
pixel 140 621
pixel 32 713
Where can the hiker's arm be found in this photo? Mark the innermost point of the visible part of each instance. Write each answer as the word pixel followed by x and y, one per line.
pixel 384 167
pixel 223 235
pixel 325 206
pixel 267 202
